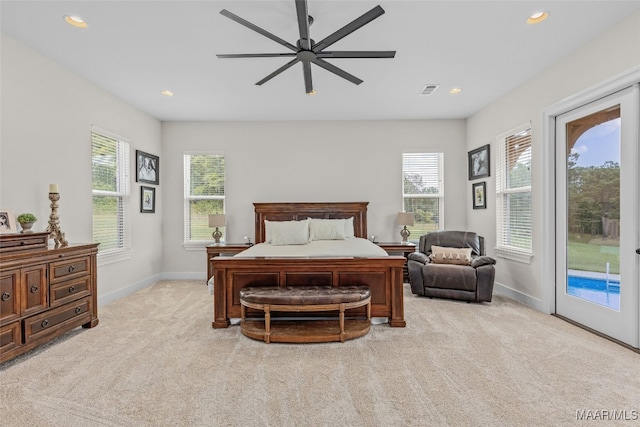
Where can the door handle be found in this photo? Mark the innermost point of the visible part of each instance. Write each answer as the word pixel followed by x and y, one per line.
pixel 638 251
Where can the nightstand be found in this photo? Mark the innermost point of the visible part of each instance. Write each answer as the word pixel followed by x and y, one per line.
pixel 399 248
pixel 217 249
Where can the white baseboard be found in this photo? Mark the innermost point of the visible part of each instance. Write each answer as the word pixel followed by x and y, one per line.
pixel 123 292
pixel 134 287
pixel 523 298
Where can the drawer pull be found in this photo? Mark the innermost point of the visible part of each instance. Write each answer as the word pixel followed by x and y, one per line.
pixel 34 289
pixel 78 310
pixel 71 269
pixel 5 296
pixel 44 323
pixel 72 289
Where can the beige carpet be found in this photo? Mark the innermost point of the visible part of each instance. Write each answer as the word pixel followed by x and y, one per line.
pixel 155 361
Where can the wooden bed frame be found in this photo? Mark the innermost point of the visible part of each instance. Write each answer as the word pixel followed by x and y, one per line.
pixel 383 275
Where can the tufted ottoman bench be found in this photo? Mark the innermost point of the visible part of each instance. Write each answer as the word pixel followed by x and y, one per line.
pixel 305 299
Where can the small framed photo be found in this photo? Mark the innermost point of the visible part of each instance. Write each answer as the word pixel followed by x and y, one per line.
pixel 147 168
pixel 147 199
pixel 479 162
pixel 8 224
pixel 479 193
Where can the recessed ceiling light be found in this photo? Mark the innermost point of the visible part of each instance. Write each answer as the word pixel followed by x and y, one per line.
pixel 75 21
pixel 167 93
pixel 537 17
pixel 455 91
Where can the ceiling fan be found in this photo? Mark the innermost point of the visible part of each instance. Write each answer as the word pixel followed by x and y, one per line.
pixel 307 51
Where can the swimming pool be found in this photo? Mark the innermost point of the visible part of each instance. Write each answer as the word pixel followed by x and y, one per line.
pixel 595 290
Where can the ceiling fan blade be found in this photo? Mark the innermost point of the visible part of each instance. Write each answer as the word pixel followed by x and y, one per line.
pixel 357 54
pixel 257 29
pixel 253 55
pixel 348 29
pixel 335 70
pixel 303 23
pixel 278 71
pixel 308 84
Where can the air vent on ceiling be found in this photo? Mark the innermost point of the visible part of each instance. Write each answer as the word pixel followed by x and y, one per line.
pixel 428 89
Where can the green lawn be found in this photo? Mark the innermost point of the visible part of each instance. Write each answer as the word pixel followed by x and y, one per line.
pixel 594 256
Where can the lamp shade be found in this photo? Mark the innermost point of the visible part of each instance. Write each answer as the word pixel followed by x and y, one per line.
pixel 216 220
pixel 405 218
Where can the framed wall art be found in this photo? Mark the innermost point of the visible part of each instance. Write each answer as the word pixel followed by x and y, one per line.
pixel 479 193
pixel 8 223
pixel 479 162
pixel 147 168
pixel 147 199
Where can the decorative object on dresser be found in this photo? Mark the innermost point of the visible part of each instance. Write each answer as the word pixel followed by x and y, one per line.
pixel 404 219
pixel 216 220
pixel 54 220
pixel 26 221
pixel 7 222
pixel 381 273
pixel 45 292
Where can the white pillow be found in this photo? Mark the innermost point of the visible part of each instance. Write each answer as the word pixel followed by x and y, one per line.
pixel 326 229
pixel 349 228
pixel 289 232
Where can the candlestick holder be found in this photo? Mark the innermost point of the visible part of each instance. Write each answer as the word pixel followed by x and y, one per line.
pixel 54 227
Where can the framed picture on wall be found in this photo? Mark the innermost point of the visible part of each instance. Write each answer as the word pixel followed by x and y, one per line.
pixel 479 162
pixel 7 222
pixel 479 193
pixel 147 199
pixel 147 168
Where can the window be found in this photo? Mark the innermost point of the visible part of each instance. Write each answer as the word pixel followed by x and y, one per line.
pixel 513 195
pixel 423 192
pixel 110 187
pixel 203 194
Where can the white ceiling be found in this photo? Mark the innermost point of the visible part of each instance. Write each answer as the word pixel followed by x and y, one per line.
pixel 136 49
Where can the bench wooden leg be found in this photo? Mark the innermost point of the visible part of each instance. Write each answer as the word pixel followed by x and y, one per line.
pixel 267 323
pixel 342 335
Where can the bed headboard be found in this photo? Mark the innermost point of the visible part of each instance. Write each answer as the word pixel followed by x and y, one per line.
pixel 299 211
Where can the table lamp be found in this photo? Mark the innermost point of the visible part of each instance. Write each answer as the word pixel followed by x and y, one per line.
pixel 404 219
pixel 216 220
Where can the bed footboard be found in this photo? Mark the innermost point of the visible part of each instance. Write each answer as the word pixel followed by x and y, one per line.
pixel 383 275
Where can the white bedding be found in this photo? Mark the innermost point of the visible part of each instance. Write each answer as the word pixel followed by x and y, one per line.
pixel 351 247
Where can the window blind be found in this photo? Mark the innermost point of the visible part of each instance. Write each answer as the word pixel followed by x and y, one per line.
pixel 513 192
pixel 204 193
pixel 423 190
pixel 110 166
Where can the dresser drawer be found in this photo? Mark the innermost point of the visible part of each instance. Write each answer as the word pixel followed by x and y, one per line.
pixel 61 319
pixel 10 337
pixel 9 296
pixel 69 290
pixel 69 269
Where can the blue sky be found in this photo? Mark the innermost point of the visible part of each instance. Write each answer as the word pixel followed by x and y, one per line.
pixel 599 144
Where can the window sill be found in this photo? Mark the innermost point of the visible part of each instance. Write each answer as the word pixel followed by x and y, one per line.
pixel 514 254
pixel 114 256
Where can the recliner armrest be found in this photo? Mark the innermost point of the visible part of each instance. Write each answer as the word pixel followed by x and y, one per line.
pixel 482 260
pixel 419 257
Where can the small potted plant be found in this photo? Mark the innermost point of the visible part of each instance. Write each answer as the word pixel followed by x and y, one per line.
pixel 26 221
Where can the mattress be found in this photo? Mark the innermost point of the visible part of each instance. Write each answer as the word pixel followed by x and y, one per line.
pixel 351 247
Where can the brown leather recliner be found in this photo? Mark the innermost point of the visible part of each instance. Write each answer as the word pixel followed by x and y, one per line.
pixel 473 282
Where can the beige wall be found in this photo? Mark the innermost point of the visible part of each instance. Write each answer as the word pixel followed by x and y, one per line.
pixel 46 119
pixel 308 161
pixel 612 53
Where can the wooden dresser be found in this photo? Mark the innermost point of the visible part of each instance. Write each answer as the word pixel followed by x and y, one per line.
pixel 44 292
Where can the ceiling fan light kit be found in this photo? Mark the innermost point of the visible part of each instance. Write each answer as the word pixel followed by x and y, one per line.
pixel 307 51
